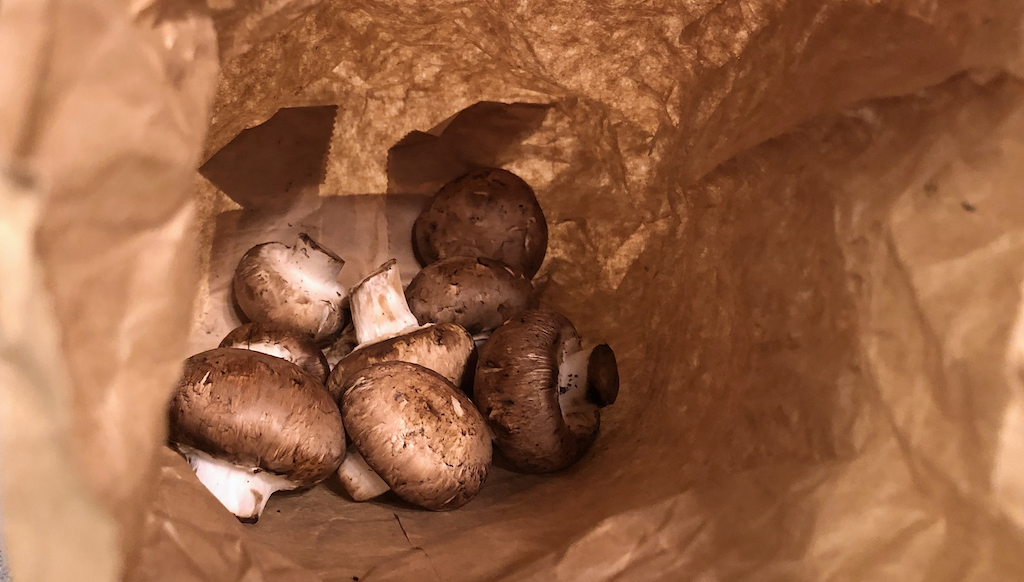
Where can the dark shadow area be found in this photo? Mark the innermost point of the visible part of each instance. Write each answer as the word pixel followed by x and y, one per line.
pixel 485 134
pixel 392 501
pixel 333 484
pixel 271 166
pixel 235 307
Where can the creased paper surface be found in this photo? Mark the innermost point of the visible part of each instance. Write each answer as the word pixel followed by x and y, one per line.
pixel 797 223
pixel 103 106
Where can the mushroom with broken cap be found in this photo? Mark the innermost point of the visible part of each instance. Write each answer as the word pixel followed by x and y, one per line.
pixel 414 433
pixel 295 287
pixel 251 424
pixel 540 392
pixel 488 212
pixel 295 346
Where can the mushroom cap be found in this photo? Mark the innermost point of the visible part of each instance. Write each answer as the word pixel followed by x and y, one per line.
pixel 476 293
pixel 489 213
pixel 516 389
pixel 294 287
pixel 255 410
pixel 442 348
pixel 421 435
pixel 295 346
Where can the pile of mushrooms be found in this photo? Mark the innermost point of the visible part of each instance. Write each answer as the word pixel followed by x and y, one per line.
pixel 420 390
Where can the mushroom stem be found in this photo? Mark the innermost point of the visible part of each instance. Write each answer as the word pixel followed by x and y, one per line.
pixel 273 349
pixel 572 381
pixel 587 377
pixel 244 491
pixel 310 257
pixel 360 481
pixel 481 338
pixel 379 309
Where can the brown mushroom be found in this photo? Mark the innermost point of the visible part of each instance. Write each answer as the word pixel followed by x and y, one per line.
pixel 490 213
pixel 443 348
pixel 251 424
pixel 540 392
pixel 476 293
pixel 387 331
pixel 294 287
pixel 342 346
pixel 294 346
pixel 420 436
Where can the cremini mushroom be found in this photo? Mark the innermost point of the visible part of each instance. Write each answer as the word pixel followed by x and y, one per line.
pixel 295 346
pixel 342 346
pixel 386 330
pixel 490 213
pixel 415 434
pixel 474 292
pixel 251 424
pixel 540 392
pixel 295 287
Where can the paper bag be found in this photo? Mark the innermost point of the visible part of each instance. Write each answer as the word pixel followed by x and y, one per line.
pixel 798 224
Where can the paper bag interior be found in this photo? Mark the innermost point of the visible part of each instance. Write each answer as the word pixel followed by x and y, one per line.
pixel 798 224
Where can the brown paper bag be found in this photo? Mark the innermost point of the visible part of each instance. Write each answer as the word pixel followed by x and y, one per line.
pixel 799 224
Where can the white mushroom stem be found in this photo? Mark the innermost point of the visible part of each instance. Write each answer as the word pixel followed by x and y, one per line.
pixel 379 309
pixel 572 382
pixel 360 481
pixel 271 349
pixel 313 259
pixel 244 491
pixel 312 270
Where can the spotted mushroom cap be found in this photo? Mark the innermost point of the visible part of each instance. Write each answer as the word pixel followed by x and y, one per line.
pixel 420 434
pixel 256 410
pixel 476 293
pixel 295 346
pixel 516 388
pixel 490 213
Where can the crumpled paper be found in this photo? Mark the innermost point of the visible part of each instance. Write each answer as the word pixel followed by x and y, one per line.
pixel 103 108
pixel 797 223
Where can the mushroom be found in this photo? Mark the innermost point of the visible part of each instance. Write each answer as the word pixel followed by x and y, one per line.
pixel 540 392
pixel 415 434
pixel 295 287
pixel 489 213
pixel 387 331
pixel 294 346
pixel 476 293
pixel 251 424
pixel 342 346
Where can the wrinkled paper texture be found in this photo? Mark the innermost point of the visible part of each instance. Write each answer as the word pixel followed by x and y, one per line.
pixel 798 224
pixel 103 107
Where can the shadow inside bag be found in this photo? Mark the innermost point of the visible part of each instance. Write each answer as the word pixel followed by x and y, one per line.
pixel 715 299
